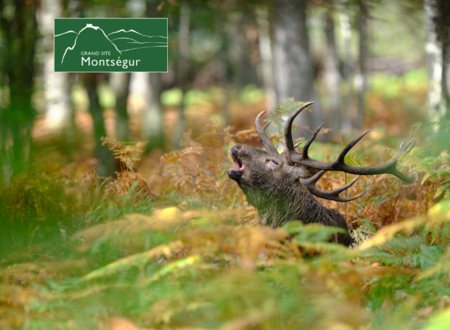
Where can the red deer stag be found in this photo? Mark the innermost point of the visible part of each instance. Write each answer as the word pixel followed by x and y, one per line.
pixel 281 186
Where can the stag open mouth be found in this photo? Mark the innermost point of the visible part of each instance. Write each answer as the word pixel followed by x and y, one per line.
pixel 239 165
pixel 235 173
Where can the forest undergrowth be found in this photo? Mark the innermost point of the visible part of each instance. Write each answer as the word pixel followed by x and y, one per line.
pixel 181 249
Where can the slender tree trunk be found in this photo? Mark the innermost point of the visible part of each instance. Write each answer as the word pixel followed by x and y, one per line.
pixel 71 121
pixel 294 74
pixel 265 49
pixel 67 10
pixel 445 77
pixel 436 49
pixel 346 31
pixel 149 87
pixel 58 110
pixel 362 77
pixel 183 66
pixel 103 154
pixel 444 36
pixel 238 53
pixel 152 119
pixel 225 88
pixel 332 74
pixel 225 71
pixel 18 51
pixel 120 82
pixel 91 81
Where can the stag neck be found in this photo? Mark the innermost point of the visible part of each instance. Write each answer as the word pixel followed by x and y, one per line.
pixel 281 204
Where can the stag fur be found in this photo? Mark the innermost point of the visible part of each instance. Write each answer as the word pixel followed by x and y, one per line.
pixel 281 186
pixel 278 194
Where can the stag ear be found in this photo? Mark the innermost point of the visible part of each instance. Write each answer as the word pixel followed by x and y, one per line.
pixel 303 172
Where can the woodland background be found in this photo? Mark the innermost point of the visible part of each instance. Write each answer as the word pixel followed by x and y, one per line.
pixel 116 209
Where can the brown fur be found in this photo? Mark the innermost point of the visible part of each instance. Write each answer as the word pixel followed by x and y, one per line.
pixel 274 189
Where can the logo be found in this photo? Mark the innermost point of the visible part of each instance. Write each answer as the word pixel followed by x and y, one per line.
pixel 110 44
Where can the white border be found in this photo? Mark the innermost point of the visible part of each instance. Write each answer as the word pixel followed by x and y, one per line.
pixel 54 57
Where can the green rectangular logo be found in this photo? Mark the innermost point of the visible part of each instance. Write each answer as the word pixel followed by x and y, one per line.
pixel 111 44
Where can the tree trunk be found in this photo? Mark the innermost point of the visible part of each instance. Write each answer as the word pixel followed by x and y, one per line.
pixel 58 110
pixel 103 154
pixel 152 118
pixel 346 31
pixel 149 87
pixel 238 52
pixel 225 71
pixel 225 88
pixel 362 77
pixel 294 74
pixel 444 37
pixel 183 44
pixel 91 81
pixel 445 77
pixel 436 12
pixel 443 28
pixel 332 74
pixel 265 49
pixel 120 82
pixel 18 51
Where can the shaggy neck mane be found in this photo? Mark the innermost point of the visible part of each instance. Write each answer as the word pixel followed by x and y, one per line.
pixel 281 204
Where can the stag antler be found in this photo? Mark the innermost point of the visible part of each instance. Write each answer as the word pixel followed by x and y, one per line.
pixel 296 158
pixel 333 195
pixel 264 138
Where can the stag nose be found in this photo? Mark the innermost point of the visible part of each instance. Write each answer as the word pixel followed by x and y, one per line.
pixel 236 148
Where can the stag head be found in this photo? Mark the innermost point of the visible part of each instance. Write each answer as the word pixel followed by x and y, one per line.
pixel 255 166
pixel 281 186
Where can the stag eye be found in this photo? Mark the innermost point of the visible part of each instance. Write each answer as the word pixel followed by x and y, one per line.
pixel 272 161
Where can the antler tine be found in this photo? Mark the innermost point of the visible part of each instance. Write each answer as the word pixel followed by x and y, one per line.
pixel 344 152
pixel 408 147
pixel 333 195
pixel 306 147
pixel 391 165
pixel 288 130
pixel 264 138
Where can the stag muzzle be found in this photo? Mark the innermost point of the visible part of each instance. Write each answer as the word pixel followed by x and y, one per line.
pixel 235 173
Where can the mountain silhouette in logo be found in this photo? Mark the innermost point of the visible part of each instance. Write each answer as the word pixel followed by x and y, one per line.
pixel 131 39
pixel 90 39
pixel 64 40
